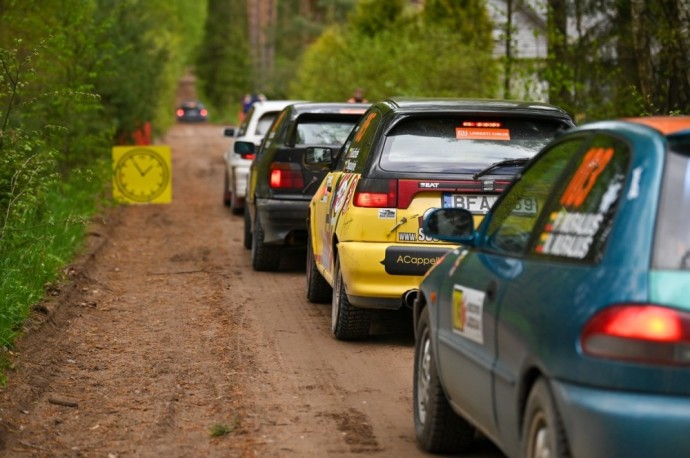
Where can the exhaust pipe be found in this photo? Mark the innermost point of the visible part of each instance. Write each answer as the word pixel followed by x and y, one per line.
pixel 409 297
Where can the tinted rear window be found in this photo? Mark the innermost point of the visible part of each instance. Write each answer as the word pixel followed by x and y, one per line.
pixel 463 145
pixel 672 238
pixel 334 132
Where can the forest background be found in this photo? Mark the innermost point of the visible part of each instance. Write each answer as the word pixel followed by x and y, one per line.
pixel 79 76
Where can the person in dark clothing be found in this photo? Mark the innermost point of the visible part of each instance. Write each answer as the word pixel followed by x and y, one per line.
pixel 357 96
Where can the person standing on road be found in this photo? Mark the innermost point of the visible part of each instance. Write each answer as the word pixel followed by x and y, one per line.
pixel 357 96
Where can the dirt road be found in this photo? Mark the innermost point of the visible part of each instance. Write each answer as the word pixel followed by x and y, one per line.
pixel 164 335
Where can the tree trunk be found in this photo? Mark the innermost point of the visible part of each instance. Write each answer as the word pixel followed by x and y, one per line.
pixel 509 49
pixel 640 38
pixel 558 52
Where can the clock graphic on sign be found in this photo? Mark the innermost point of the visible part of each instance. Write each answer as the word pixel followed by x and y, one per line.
pixel 141 175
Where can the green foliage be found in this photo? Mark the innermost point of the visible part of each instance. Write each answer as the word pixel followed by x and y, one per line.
pixel 297 25
pixel 393 58
pixel 75 76
pixel 625 58
pixel 371 17
pixel 223 67
pixel 40 240
pixel 222 429
pixel 467 18
pixel 43 206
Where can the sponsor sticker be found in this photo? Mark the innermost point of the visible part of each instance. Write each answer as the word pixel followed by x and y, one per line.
pixel 468 305
pixel 407 237
pixel 406 260
pixel 387 213
pixel 634 191
pixel 478 133
pixel 569 234
pixel 586 176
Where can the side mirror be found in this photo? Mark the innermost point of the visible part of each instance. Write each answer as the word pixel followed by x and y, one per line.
pixel 244 148
pixel 229 132
pixel 450 225
pixel 317 155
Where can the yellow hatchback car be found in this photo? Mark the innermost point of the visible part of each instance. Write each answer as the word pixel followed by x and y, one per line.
pixel 366 246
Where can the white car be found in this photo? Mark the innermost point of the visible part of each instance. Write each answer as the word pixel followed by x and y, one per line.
pixel 252 129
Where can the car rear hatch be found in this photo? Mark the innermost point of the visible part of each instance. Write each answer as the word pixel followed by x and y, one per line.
pixel 290 177
pixel 433 161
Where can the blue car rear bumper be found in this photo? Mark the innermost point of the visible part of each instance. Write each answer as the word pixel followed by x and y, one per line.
pixel 611 424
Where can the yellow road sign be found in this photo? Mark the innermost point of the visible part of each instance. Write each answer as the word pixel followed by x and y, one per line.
pixel 142 174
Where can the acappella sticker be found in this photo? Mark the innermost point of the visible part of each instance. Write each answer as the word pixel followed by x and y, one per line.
pixel 401 260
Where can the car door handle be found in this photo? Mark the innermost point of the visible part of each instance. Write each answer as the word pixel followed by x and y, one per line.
pixel 491 290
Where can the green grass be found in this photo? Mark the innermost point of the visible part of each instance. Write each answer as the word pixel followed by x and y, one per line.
pixel 222 429
pixel 34 250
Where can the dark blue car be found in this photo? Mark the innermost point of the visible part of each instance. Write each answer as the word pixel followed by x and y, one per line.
pixel 562 328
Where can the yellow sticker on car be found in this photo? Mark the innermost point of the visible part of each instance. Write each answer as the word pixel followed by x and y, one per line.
pixel 468 305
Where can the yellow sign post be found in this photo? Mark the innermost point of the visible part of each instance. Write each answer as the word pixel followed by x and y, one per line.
pixel 142 174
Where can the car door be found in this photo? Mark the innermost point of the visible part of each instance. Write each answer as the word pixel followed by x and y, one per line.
pixel 274 136
pixel 471 295
pixel 548 289
pixel 336 189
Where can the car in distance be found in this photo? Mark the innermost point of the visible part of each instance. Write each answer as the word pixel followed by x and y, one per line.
pixel 191 111
pixel 367 249
pixel 253 127
pixel 282 180
pixel 566 332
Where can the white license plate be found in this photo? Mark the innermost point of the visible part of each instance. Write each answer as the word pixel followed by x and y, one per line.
pixel 479 204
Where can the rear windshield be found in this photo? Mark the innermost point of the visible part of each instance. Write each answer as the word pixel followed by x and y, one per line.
pixel 312 132
pixel 463 145
pixel 264 122
pixel 672 238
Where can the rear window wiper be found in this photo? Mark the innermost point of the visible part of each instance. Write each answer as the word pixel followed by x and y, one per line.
pixel 499 164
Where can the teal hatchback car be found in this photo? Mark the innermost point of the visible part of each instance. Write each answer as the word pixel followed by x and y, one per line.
pixel 562 328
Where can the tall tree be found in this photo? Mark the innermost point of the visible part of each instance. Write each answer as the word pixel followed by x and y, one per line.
pixel 558 70
pixel 223 66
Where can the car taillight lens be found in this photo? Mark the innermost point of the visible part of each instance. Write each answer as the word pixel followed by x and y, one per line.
pixel 376 193
pixel 285 175
pixel 180 112
pixel 642 333
pixel 204 112
pixel 248 156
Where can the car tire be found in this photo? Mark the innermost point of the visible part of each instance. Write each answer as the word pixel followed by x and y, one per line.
pixel 227 195
pixel 265 258
pixel 347 321
pixel 247 235
pixel 318 289
pixel 543 433
pixel 235 207
pixel 437 427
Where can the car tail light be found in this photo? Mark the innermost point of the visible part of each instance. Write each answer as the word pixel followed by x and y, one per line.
pixel 204 112
pixel 642 333
pixel 285 175
pixel 248 156
pixel 376 193
pixel 180 112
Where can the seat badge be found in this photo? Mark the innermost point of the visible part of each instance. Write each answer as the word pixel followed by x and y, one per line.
pixel 488 185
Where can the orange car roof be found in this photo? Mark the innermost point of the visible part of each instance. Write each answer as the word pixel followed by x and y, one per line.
pixel 664 124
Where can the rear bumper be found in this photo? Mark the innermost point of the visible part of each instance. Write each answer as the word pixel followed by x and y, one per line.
pixel 608 424
pixel 377 275
pixel 283 221
pixel 239 181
